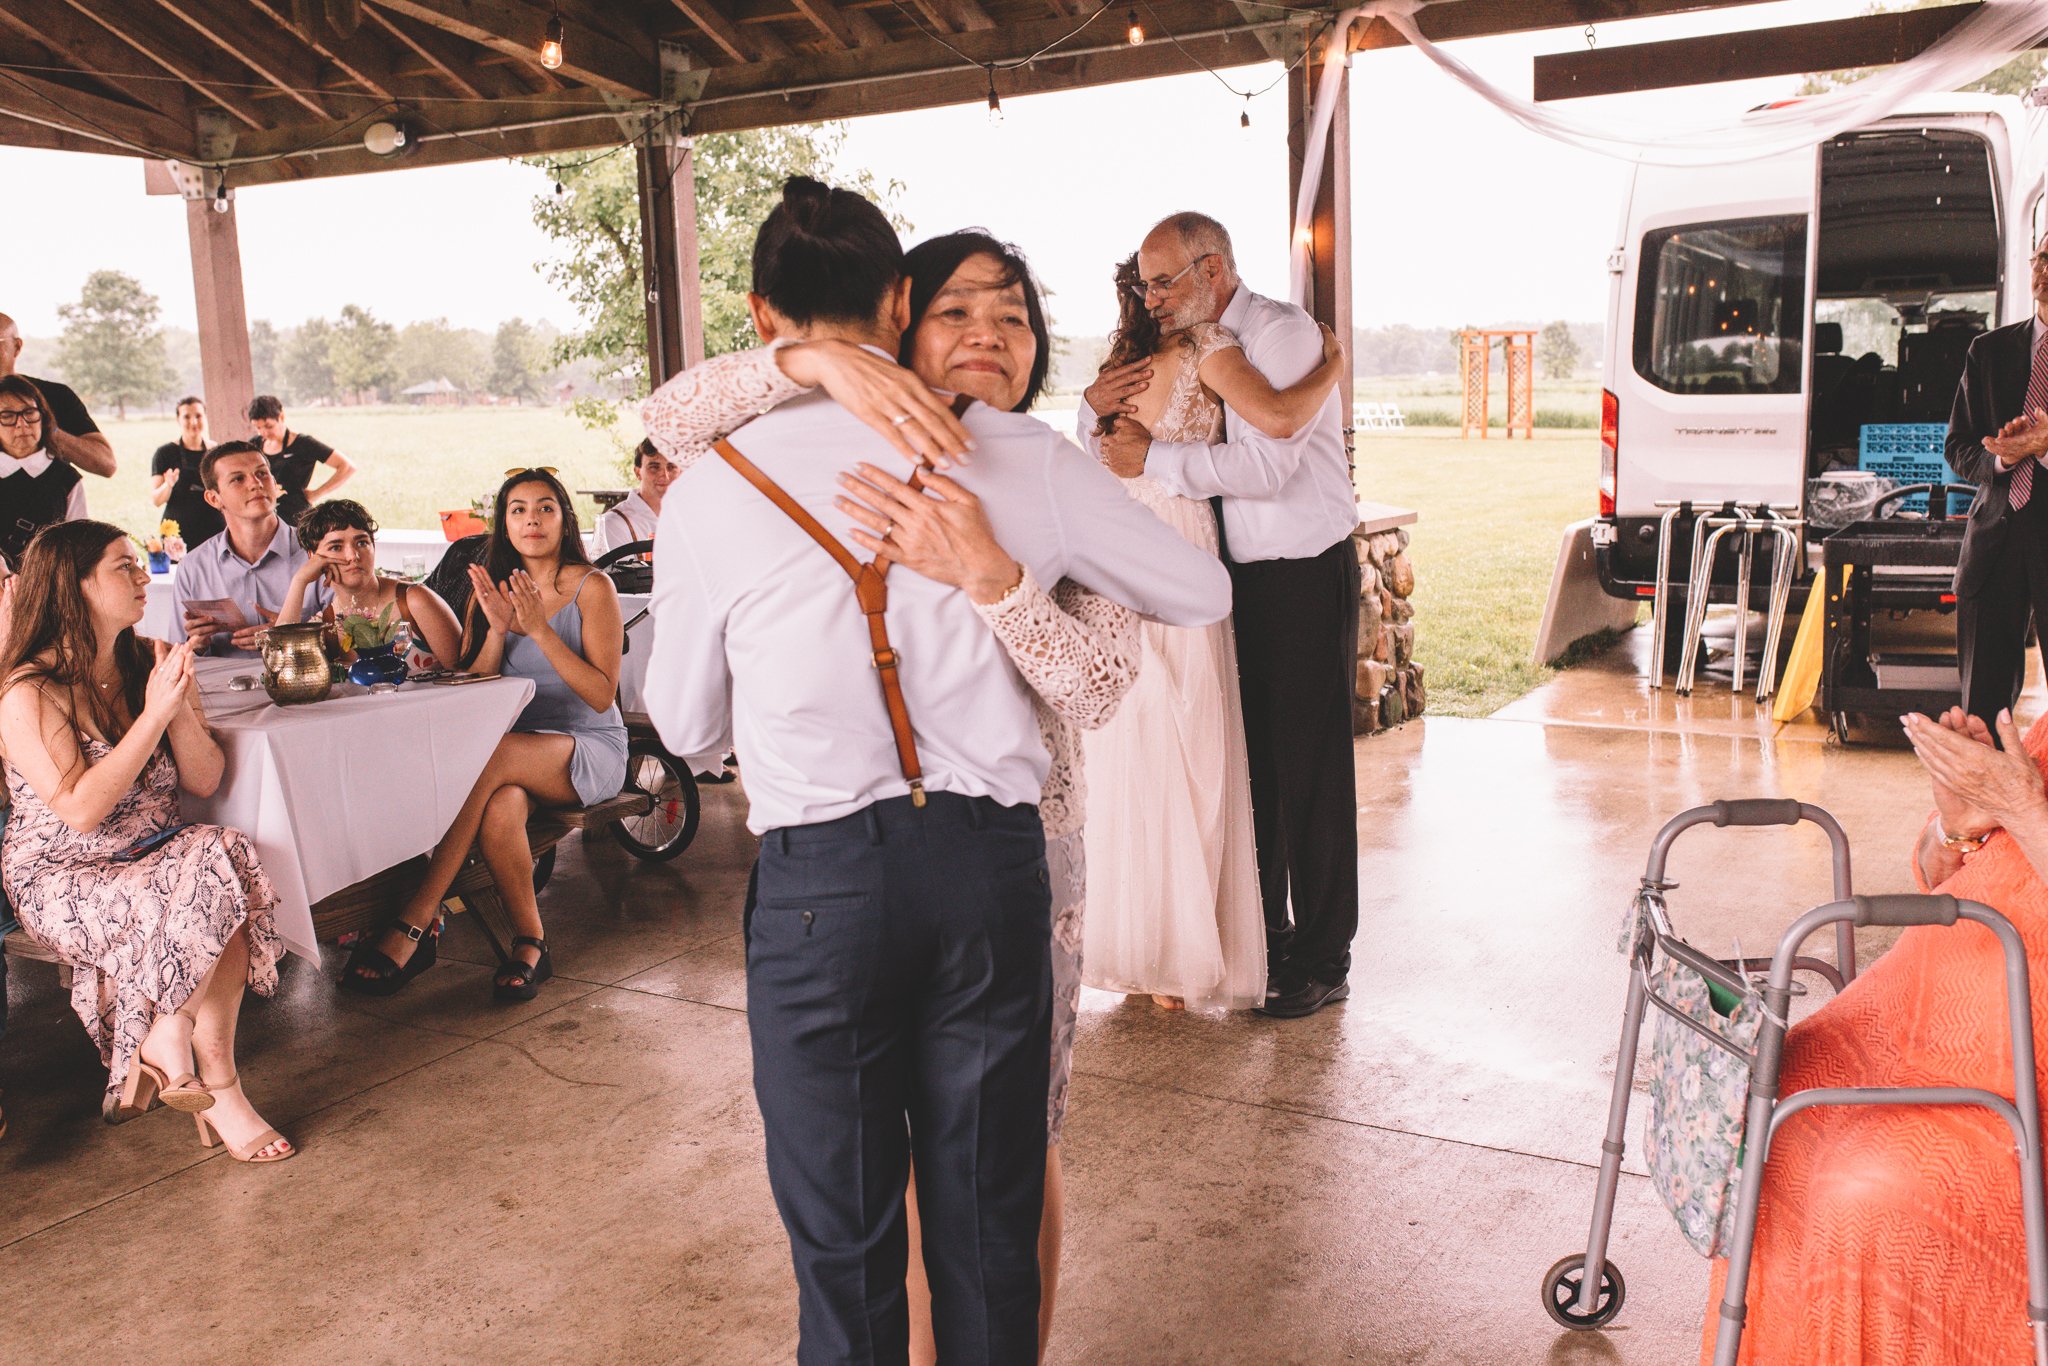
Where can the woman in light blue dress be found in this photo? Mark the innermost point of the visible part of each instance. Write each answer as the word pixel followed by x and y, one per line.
pixel 540 612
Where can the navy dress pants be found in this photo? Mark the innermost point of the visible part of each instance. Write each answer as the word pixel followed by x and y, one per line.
pixel 899 999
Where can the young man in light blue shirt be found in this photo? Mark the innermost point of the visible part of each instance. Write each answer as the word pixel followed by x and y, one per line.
pixel 249 565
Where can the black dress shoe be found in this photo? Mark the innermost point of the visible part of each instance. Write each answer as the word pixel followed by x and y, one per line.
pixel 1280 981
pixel 1306 997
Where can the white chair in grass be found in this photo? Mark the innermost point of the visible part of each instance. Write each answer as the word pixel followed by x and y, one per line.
pixel 1390 413
pixel 1368 417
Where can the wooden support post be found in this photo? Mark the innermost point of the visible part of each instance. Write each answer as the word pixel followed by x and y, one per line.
pixel 227 373
pixel 1329 299
pixel 668 256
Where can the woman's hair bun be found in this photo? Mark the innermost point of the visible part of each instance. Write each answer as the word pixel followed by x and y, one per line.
pixel 806 200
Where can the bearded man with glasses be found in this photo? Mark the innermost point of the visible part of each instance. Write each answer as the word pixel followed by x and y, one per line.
pixel 1287 508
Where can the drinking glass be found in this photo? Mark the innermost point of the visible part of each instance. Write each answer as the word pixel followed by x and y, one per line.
pixel 414 568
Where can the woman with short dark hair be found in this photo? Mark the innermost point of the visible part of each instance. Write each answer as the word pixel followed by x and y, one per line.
pixel 340 541
pixel 165 924
pixel 294 456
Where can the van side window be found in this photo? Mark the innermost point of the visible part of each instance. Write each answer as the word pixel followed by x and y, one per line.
pixel 1721 307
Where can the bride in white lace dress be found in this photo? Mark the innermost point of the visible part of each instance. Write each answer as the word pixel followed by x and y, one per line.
pixel 1173 874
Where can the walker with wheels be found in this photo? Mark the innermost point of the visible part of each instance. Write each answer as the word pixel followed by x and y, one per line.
pixel 1586 1290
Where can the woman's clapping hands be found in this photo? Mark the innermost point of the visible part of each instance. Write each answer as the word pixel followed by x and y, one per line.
pixel 171 686
pixel 1976 786
pixel 491 600
pixel 515 606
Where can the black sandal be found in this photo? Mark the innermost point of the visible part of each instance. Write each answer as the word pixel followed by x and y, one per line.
pixel 529 975
pixel 371 972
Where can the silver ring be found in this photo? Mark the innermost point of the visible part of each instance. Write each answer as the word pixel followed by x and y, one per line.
pixel 887 527
pixel 899 419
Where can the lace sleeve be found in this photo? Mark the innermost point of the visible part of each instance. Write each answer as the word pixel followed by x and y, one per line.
pixel 1209 338
pixel 1076 648
pixel 708 400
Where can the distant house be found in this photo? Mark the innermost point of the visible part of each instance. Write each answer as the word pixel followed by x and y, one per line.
pixel 433 391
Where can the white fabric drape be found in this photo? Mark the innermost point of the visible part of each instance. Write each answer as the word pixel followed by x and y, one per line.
pixel 1997 33
pixel 1987 40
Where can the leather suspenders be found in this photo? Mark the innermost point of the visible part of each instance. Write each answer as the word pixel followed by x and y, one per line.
pixel 870 590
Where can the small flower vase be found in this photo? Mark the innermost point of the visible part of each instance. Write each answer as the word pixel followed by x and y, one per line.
pixel 159 562
pixel 376 664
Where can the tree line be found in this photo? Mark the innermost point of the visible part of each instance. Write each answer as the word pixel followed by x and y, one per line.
pixel 115 351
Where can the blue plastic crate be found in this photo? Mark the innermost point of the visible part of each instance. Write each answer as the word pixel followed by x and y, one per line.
pixel 1907 453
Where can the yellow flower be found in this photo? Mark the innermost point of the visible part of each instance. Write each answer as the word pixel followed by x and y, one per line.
pixel 167 528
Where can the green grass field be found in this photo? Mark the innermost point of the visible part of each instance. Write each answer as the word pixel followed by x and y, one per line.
pixel 1491 514
pixel 410 462
pixel 1490 511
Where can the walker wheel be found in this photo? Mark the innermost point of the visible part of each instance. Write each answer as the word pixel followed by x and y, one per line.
pixel 1561 1293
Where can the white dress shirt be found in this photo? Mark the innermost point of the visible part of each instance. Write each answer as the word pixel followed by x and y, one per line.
pixel 1282 500
pixel 34 466
pixel 760 646
pixel 628 521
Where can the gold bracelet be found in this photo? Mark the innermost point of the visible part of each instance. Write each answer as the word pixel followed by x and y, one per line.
pixel 1961 844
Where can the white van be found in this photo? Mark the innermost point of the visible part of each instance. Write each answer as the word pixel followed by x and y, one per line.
pixel 1762 314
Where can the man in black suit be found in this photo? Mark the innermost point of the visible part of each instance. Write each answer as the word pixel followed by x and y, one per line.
pixel 1997 436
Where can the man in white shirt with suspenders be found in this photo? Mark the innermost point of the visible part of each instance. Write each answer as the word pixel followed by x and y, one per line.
pixel 898 977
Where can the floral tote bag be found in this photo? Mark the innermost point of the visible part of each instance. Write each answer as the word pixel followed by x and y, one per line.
pixel 1698 1096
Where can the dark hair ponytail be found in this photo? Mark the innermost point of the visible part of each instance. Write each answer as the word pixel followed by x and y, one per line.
pixel 825 255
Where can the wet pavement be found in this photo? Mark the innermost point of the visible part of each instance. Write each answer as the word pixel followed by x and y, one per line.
pixel 580 1179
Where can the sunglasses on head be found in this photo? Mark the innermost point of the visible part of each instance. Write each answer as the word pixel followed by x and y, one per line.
pixel 531 469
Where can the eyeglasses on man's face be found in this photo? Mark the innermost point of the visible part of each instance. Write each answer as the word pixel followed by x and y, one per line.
pixel 1145 289
pixel 21 417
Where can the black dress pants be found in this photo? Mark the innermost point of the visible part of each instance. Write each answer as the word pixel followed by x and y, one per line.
pixel 899 999
pixel 1991 625
pixel 1297 651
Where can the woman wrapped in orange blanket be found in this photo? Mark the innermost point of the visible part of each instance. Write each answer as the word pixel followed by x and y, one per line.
pixel 1892 1236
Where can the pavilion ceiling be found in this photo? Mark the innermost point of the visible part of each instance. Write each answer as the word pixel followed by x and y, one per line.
pixel 282 89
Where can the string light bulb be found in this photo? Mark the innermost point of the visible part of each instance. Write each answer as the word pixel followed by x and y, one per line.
pixel 1244 120
pixel 1135 34
pixel 551 42
pixel 995 101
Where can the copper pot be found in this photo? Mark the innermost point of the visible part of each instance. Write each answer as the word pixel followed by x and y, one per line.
pixel 295 668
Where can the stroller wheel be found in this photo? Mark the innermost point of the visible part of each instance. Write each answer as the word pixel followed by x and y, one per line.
pixel 1561 1293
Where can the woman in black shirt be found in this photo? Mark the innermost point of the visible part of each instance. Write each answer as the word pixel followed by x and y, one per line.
pixel 174 475
pixel 293 458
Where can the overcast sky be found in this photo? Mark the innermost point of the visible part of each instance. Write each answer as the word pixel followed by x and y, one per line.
pixel 1460 216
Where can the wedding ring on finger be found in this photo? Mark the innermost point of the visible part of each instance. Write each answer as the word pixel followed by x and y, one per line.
pixel 887 528
pixel 899 419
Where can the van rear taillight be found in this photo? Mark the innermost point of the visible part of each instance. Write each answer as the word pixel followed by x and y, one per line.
pixel 1610 442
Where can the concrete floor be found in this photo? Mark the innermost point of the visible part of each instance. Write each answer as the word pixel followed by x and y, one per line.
pixel 580 1179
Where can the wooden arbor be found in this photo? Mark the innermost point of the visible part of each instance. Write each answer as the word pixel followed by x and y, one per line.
pixel 1475 370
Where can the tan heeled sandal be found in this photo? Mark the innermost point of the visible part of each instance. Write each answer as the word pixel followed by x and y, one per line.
pixel 146 1083
pixel 247 1152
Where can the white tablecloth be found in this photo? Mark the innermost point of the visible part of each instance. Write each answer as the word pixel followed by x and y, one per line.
pixel 336 790
pixel 633 664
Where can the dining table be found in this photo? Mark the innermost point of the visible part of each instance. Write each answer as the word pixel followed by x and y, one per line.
pixel 335 791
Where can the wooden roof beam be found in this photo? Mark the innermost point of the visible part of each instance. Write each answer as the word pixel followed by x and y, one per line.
pixel 271 53
pixel 844 29
pixel 170 45
pixel 455 62
pixel 955 16
pixel 85 113
pixel 1866 40
pixel 1485 18
pixel 599 60
pixel 365 58
pixel 753 43
pixel 73 39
